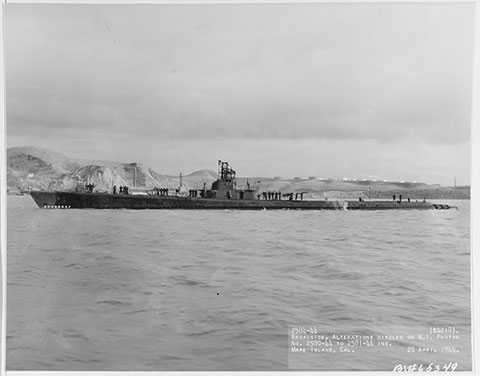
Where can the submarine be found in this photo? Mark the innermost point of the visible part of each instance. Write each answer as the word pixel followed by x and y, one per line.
pixel 223 194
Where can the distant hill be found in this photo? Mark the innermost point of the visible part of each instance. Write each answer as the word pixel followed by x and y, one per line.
pixel 37 168
pixel 338 189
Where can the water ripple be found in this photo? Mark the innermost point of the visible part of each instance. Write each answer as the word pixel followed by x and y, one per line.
pixel 196 290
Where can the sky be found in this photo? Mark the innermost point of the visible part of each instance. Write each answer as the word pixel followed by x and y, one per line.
pixel 360 90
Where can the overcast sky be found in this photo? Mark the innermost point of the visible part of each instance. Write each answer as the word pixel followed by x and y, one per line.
pixel 330 90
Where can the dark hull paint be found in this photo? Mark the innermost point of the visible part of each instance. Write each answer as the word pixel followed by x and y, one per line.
pixel 76 200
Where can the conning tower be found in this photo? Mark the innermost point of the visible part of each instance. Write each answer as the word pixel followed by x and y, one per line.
pixel 226 178
pixel 226 185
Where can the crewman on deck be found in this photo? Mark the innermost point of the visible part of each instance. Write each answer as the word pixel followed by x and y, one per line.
pixel 114 189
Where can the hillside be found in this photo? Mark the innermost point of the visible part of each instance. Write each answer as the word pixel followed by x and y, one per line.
pixel 36 168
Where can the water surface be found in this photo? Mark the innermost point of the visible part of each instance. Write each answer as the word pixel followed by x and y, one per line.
pixel 218 290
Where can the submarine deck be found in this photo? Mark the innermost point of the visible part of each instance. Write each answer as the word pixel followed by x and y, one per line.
pixel 76 200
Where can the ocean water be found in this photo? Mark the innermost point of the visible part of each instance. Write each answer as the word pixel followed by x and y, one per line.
pixel 122 290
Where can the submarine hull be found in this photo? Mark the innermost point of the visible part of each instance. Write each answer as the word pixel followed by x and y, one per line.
pixel 84 200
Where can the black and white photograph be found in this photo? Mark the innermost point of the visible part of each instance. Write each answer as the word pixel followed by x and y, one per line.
pixel 239 186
